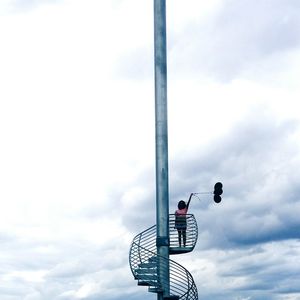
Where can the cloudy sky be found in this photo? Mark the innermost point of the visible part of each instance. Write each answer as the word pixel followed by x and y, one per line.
pixel 77 177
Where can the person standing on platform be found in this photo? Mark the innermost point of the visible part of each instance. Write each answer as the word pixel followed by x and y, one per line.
pixel 180 220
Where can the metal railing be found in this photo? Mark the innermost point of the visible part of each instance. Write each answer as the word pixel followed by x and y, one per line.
pixel 191 233
pixel 143 260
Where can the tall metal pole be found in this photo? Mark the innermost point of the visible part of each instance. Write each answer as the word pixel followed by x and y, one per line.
pixel 161 141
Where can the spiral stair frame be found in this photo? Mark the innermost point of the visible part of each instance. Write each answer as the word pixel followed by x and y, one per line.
pixel 143 261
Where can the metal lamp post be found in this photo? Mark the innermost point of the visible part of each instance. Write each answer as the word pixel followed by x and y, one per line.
pixel 161 143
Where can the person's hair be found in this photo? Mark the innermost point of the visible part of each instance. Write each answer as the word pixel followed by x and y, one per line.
pixel 181 204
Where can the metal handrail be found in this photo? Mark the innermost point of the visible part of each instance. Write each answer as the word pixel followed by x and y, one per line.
pixel 143 253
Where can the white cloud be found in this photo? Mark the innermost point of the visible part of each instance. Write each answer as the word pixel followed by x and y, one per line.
pixel 77 144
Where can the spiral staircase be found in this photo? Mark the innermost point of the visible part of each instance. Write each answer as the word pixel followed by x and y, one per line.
pixel 144 262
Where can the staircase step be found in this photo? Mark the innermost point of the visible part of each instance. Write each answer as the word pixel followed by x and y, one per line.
pixel 171 297
pixel 149 283
pixel 148 265
pixel 146 277
pixel 143 283
pixel 145 271
pixel 153 289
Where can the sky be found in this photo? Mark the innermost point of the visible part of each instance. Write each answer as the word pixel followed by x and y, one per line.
pixel 77 155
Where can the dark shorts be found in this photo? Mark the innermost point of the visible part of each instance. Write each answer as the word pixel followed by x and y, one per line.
pixel 180 222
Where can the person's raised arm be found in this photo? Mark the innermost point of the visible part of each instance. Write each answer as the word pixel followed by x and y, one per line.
pixel 187 205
